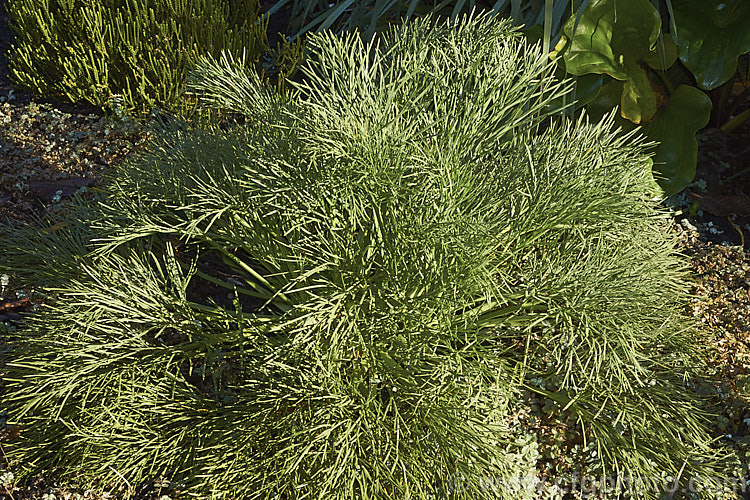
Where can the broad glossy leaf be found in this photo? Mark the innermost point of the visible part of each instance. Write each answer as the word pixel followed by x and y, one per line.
pixel 711 35
pixel 639 101
pixel 617 39
pixel 663 56
pixel 609 97
pixel 587 88
pixel 675 126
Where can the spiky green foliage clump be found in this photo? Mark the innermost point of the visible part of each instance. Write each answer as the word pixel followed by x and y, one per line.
pixel 344 297
pixel 132 54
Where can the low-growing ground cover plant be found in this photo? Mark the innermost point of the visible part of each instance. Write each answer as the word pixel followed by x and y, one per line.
pixel 344 296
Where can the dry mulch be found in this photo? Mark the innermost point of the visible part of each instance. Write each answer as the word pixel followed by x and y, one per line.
pixel 721 302
pixel 48 154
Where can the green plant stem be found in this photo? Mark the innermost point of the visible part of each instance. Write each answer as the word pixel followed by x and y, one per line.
pixel 666 81
pixel 735 122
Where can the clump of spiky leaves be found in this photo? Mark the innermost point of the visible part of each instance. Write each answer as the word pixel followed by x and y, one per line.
pixel 134 56
pixel 343 297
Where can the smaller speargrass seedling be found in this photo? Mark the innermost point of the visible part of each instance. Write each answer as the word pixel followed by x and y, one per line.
pixel 348 295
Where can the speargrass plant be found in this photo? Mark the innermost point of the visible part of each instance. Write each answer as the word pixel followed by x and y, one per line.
pixel 345 295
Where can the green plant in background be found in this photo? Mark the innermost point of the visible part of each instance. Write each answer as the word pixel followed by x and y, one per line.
pixel 710 36
pixel 344 297
pixel 604 41
pixel 93 50
pixel 627 42
pixel 619 52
